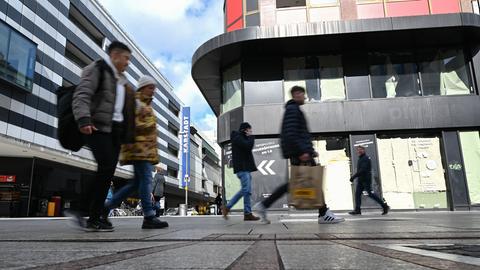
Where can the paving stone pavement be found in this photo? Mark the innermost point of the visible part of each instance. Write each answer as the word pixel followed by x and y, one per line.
pixel 294 240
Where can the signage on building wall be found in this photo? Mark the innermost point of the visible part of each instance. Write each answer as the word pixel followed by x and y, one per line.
pixel 8 178
pixel 185 177
pixel 272 171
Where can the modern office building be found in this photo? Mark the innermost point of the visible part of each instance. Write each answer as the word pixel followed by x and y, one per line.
pixel 44 45
pixel 205 173
pixel 398 76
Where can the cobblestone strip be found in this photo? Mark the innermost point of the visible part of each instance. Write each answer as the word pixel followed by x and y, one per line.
pixel 260 255
pixel 434 263
pixel 111 258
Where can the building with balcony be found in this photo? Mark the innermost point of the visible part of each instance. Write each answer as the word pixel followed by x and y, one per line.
pixel 397 76
pixel 44 45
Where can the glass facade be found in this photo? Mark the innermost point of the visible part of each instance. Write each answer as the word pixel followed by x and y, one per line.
pixel 445 72
pixel 394 75
pixel 17 58
pixel 231 89
pixel 380 74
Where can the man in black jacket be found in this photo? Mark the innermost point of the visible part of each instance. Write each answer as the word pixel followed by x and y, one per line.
pixel 243 165
pixel 364 182
pixel 297 146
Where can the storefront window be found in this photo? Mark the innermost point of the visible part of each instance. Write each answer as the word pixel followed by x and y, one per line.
pixel 231 89
pixel 334 156
pixel 321 76
pixel 394 75
pixel 471 156
pixel 445 72
pixel 412 172
pixel 17 58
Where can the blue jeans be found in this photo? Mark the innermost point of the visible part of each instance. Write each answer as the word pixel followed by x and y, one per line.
pixel 143 183
pixel 245 192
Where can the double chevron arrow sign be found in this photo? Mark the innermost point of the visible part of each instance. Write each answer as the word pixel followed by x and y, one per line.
pixel 264 167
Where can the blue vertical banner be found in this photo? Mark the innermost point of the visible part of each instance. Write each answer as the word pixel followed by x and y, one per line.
pixel 185 177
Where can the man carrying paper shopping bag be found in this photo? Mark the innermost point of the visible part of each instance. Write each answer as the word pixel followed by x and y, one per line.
pixel 297 145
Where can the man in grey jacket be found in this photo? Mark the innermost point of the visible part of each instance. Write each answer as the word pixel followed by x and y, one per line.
pixel 104 107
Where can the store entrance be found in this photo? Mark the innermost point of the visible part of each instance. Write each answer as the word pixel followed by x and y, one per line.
pixel 412 172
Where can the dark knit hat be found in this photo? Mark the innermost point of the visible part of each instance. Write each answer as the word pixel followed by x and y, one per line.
pixel 244 126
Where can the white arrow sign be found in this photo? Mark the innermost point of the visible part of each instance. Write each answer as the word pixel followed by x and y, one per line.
pixel 266 170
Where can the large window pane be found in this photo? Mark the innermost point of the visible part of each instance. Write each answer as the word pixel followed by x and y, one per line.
pixel 232 89
pixel 21 59
pixel 17 58
pixel 302 71
pixel 445 72
pixel 471 156
pixel 321 76
pixel 4 40
pixel 332 85
pixel 393 75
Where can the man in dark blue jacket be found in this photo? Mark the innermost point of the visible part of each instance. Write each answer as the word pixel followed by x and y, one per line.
pixel 243 164
pixel 364 182
pixel 296 143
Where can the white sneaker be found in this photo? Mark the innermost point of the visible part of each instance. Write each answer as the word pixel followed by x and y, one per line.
pixel 330 218
pixel 262 212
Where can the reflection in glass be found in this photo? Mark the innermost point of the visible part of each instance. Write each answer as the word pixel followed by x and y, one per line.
pixel 17 58
pixel 445 72
pixel 231 89
pixel 394 75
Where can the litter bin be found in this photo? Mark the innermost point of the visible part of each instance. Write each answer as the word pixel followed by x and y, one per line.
pixel 182 209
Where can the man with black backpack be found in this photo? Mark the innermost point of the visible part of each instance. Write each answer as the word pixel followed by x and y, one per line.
pixel 103 105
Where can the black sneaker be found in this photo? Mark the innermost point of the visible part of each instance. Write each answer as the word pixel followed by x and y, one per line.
pixel 355 213
pixel 97 225
pixel 77 221
pixel 153 223
pixel 386 208
pixel 106 221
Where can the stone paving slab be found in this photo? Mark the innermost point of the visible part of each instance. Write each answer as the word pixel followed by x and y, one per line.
pixel 337 257
pixel 212 243
pixel 218 256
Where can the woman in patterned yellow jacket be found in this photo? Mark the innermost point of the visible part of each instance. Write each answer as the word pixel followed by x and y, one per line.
pixel 142 155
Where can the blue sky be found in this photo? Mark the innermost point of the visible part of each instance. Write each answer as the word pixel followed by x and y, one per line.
pixel 169 32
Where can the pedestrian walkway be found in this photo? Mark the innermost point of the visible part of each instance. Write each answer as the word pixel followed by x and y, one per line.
pixel 426 240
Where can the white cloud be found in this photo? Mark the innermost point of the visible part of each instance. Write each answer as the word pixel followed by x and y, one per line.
pixel 169 32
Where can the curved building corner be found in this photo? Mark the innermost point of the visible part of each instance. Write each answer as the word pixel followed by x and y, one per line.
pixel 400 77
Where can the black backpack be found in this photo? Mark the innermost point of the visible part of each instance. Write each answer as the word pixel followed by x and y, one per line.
pixel 68 133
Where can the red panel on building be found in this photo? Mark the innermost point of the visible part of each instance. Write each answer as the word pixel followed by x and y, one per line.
pixel 236 26
pixel 407 8
pixel 234 10
pixel 444 6
pixel 368 11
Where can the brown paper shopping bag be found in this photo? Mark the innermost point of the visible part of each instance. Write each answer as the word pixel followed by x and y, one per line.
pixel 306 187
